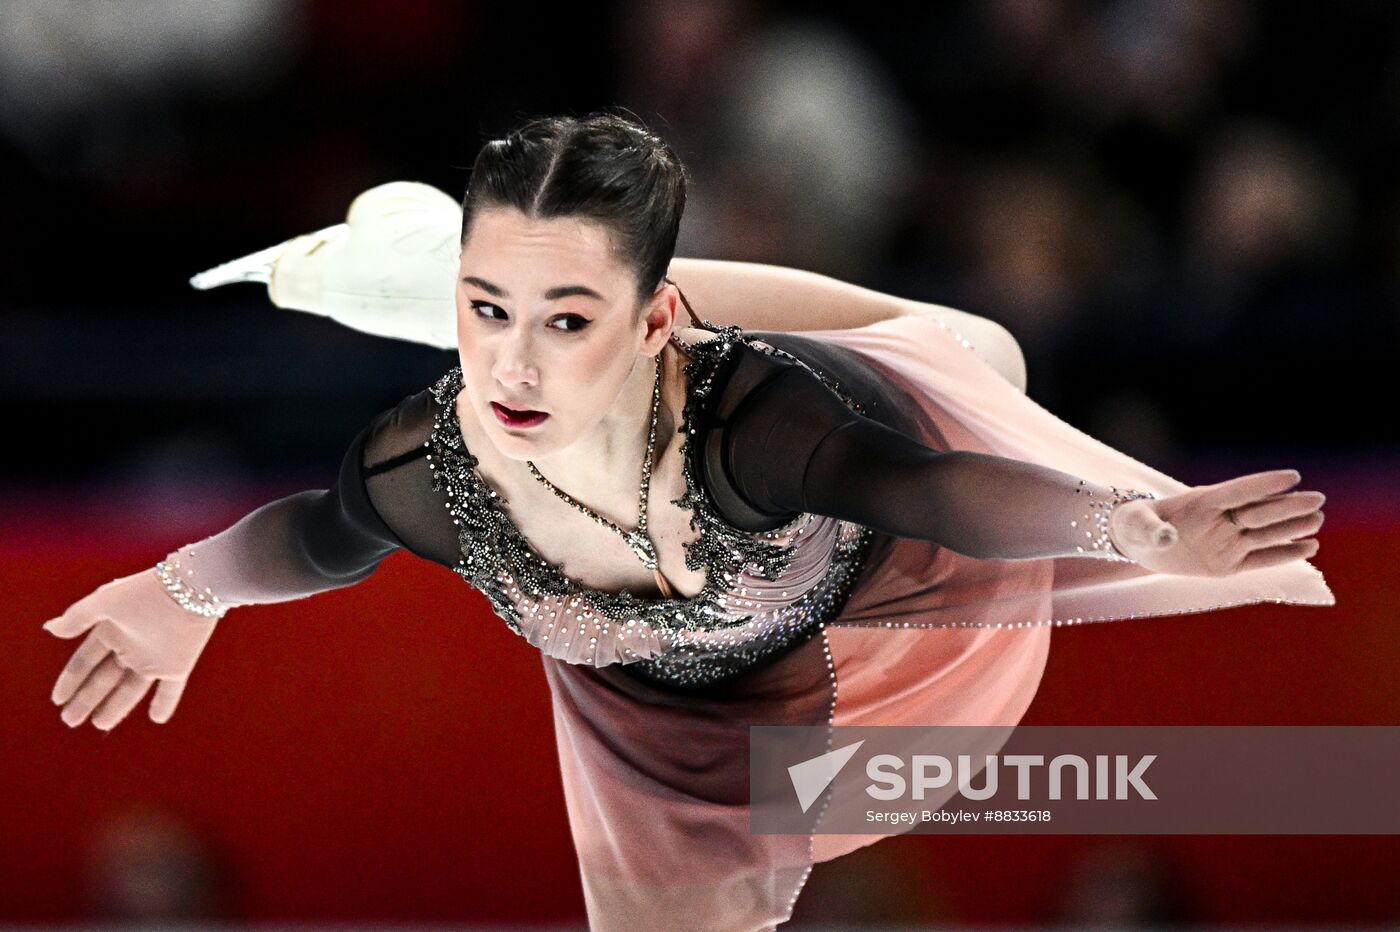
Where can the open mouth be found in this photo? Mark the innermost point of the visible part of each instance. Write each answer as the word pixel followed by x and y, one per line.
pixel 517 417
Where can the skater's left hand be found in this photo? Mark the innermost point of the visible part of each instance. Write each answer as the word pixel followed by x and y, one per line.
pixel 1193 534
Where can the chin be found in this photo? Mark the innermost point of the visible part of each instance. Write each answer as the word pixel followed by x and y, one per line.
pixel 517 458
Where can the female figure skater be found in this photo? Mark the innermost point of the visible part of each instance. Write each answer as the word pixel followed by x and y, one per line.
pixel 700 530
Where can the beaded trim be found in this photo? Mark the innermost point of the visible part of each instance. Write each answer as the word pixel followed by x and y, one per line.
pixel 1100 544
pixel 496 557
pixel 709 548
pixel 185 594
pixel 769 349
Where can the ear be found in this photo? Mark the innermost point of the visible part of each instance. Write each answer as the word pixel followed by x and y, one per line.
pixel 660 315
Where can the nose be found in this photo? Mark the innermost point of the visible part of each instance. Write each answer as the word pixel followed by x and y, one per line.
pixel 512 366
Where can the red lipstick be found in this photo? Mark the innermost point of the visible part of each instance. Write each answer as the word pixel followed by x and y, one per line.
pixel 517 417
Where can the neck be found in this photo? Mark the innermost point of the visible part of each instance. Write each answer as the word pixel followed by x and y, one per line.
pixel 605 465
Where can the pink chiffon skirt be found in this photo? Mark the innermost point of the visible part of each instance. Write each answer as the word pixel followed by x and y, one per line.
pixel 656 781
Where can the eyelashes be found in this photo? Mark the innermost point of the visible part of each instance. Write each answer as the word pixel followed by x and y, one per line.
pixel 581 321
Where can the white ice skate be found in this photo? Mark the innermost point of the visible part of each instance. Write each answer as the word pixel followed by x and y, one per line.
pixel 389 269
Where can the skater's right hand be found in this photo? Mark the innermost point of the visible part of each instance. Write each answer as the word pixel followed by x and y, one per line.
pixel 137 634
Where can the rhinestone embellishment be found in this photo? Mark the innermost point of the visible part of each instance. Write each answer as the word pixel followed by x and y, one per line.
pixel 190 598
pixel 711 636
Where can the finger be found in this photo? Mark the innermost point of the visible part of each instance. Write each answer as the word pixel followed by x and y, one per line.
pixel 85 659
pixel 1241 491
pixel 94 689
pixel 1283 553
pixel 1278 508
pixel 74 621
pixel 1283 531
pixel 121 701
pixel 167 697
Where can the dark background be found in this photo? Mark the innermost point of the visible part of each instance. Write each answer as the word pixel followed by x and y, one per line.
pixel 1186 212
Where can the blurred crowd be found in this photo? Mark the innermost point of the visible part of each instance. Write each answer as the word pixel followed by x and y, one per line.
pixel 1185 210
pixel 147 865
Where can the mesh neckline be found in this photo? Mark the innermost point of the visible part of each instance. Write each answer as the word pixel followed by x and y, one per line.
pixel 495 554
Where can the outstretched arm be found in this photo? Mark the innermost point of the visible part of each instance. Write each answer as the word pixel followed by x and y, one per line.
pixel 294 547
pixel 150 628
pixel 795 447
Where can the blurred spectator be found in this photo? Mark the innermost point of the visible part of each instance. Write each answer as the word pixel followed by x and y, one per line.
pixel 1267 217
pixel 148 867
pixel 1158 61
pixel 799 144
pixel 1040 244
pixel 1123 885
pixel 888 884
pixel 91 89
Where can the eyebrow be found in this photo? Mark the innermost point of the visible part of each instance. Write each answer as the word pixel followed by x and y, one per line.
pixel 553 294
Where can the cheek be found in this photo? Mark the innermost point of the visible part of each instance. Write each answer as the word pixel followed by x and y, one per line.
pixel 466 340
pixel 465 360
pixel 588 382
pixel 605 367
pixel 461 330
pixel 464 312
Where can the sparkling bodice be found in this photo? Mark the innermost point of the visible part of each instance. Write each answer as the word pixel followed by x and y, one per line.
pixel 765 591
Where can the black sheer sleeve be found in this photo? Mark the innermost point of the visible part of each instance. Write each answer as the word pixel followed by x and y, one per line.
pixel 319 539
pixel 791 445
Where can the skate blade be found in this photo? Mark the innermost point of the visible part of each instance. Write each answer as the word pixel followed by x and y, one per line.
pixel 256 267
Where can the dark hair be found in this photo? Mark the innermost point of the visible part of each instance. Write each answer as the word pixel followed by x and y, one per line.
pixel 602 167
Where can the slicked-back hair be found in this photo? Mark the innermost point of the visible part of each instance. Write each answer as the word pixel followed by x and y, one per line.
pixel 604 167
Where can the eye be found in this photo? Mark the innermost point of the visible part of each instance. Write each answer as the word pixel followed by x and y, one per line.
pixel 580 322
pixel 478 305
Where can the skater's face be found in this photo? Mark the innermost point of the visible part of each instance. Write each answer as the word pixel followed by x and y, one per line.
pixel 548 320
